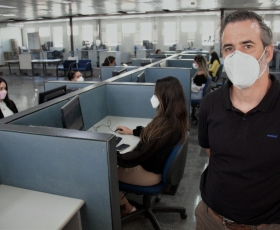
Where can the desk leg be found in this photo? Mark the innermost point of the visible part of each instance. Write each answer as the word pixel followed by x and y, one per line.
pixel 32 65
pixel 10 68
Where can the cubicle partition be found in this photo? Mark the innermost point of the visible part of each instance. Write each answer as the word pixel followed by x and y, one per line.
pixel 70 85
pixel 183 74
pixel 138 61
pixel 77 164
pixel 202 52
pixel 106 72
pixel 181 63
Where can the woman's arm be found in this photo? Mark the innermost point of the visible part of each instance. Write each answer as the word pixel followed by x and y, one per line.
pixel 214 66
pixel 126 131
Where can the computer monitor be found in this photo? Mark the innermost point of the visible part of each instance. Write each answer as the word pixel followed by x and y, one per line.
pixel 52 94
pixel 71 114
pixel 141 77
pixel 146 44
pixel 145 63
pixel 118 72
pixel 162 64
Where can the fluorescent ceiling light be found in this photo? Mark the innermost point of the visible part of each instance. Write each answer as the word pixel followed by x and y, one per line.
pixel 3 6
pixel 8 15
pixel 63 1
pixel 275 1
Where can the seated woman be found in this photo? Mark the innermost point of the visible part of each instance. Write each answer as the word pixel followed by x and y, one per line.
pixel 200 78
pixel 75 76
pixel 109 61
pixel 215 64
pixel 158 51
pixel 143 166
pixel 7 106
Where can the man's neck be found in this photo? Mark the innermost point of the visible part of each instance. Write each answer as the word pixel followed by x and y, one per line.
pixel 249 98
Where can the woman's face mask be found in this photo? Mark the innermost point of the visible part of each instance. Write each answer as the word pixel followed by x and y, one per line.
pixel 80 78
pixel 195 66
pixel 243 69
pixel 3 94
pixel 154 101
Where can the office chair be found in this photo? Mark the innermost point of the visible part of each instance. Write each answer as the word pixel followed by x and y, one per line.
pixel 82 66
pixel 218 74
pixel 224 79
pixel 195 103
pixel 171 176
pixel 66 66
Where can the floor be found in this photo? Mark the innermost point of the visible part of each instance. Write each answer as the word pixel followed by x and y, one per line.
pixel 23 90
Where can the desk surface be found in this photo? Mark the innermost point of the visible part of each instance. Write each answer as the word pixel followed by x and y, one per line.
pixel 129 122
pixel 12 61
pixel 27 209
pixel 46 60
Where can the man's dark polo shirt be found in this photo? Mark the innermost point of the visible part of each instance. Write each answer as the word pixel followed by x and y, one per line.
pixel 242 180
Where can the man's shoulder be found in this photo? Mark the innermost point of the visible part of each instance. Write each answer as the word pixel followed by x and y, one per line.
pixel 214 96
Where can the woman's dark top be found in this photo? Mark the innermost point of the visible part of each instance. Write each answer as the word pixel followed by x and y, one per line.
pixel 11 106
pixel 152 155
pixel 200 79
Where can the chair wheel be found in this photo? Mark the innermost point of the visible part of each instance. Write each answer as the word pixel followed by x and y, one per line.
pixel 183 215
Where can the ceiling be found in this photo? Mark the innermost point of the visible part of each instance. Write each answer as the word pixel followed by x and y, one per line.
pixel 48 9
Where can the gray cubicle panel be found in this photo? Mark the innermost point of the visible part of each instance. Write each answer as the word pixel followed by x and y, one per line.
pixel 199 52
pixel 130 99
pixel 183 74
pixel 181 63
pixel 64 162
pixel 107 71
pixel 75 85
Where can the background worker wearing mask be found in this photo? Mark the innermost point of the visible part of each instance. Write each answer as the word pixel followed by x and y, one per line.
pixel 75 76
pixel 200 77
pixel 239 127
pixel 7 106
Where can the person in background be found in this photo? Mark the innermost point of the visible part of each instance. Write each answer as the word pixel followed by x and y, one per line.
pixel 7 106
pixel 75 76
pixel 200 78
pixel 109 61
pixel 143 166
pixel 214 63
pixel 158 51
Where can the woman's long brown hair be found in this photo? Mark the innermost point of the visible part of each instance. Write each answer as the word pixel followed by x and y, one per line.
pixel 172 111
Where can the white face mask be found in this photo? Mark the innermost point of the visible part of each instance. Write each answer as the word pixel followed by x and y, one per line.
pixel 154 101
pixel 3 94
pixel 195 66
pixel 80 78
pixel 243 69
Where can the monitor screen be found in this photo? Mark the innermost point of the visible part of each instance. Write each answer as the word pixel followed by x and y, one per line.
pixel 141 77
pixel 52 94
pixel 71 114
pixel 118 72
pixel 145 63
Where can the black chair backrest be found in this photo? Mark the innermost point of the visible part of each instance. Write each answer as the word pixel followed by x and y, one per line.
pixel 219 72
pixel 177 167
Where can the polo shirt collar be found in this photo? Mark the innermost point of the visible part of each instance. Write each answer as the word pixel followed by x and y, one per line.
pixel 266 103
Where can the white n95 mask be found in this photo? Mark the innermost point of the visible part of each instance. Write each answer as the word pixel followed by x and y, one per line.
pixel 243 69
pixel 154 101
pixel 80 79
pixel 194 66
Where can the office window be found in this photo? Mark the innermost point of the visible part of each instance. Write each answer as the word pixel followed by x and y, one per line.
pixel 169 33
pixel 276 26
pixel 58 36
pixel 146 31
pixel 75 30
pixel 44 31
pixel 207 31
pixel 128 28
pixel 30 30
pixel 87 33
pixel 188 26
pixel 111 34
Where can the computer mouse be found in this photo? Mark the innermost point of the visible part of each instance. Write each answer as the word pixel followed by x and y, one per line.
pixel 118 130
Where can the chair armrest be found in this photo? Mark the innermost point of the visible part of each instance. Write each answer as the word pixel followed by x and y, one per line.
pixel 71 65
pixel 88 63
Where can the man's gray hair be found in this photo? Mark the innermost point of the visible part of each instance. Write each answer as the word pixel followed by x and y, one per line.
pixel 244 15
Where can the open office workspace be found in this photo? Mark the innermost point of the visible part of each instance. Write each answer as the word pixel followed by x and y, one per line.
pixel 65 178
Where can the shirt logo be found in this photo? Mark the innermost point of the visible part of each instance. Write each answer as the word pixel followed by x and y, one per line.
pixel 272 136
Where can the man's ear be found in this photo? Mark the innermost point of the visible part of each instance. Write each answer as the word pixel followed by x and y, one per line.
pixel 269 53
